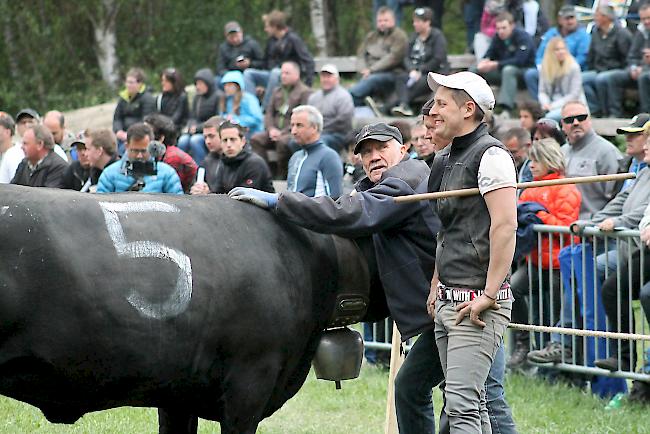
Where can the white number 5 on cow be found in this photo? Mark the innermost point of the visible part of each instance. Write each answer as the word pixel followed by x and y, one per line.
pixel 179 299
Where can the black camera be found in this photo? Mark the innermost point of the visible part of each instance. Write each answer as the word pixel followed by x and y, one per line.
pixel 140 169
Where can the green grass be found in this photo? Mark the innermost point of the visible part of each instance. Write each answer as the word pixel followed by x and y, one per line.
pixel 359 409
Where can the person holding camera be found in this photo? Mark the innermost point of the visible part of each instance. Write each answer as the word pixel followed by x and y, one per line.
pixel 138 170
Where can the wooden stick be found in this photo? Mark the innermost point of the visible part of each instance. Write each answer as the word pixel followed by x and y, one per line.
pixel 396 360
pixel 580 332
pixel 531 184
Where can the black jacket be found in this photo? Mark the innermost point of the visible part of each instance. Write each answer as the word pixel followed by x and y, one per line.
pixel 432 57
pixel 608 52
pixel 246 169
pixel 212 165
pixel 290 47
pixel 75 176
pixel 129 112
pixel 175 106
pixel 403 234
pixel 249 48
pixel 49 173
pixel 207 105
pixel 518 50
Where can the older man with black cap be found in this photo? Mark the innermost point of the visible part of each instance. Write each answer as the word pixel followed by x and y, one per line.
pixel 403 235
pixel 470 279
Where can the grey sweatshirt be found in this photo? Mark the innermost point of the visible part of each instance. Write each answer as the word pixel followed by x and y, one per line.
pixel 337 109
pixel 627 208
pixel 592 155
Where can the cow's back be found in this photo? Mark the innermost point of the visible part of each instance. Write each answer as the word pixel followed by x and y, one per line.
pixel 133 299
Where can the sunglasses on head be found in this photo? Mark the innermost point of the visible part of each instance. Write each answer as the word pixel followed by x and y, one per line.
pixel 570 119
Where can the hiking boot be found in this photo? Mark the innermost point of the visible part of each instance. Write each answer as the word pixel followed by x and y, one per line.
pixel 518 356
pixel 401 110
pixel 373 106
pixel 611 364
pixel 554 352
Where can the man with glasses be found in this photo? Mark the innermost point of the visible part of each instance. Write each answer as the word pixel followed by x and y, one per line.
pixel 588 154
pixel 138 170
pixel 134 104
pixel 424 147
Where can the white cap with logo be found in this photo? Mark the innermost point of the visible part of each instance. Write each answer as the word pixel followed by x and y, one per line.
pixel 475 86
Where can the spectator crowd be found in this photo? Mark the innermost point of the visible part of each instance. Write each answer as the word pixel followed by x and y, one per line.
pixel 257 119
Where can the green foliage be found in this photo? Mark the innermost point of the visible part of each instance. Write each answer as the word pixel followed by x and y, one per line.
pixel 48 61
pixel 359 408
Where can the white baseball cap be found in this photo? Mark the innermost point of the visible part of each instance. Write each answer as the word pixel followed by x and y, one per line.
pixel 330 68
pixel 475 86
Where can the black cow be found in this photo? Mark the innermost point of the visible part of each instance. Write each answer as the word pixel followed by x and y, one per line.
pixel 203 306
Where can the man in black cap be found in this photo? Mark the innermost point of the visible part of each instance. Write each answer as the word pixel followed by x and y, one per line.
pixel 238 51
pixel 404 237
pixel 25 119
pixel 635 139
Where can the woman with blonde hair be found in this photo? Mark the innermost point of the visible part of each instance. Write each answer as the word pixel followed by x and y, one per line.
pixel 560 79
pixel 562 205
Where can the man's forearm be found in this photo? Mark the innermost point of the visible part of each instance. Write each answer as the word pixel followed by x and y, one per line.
pixel 502 249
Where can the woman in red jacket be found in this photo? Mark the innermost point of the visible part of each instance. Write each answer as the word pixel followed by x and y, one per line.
pixel 562 203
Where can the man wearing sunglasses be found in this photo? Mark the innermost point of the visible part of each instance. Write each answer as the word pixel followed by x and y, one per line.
pixel 588 154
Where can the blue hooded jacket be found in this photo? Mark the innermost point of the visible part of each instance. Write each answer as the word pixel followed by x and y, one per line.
pixel 114 179
pixel 250 112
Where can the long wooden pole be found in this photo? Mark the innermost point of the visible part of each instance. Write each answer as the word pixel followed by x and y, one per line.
pixel 396 360
pixel 474 191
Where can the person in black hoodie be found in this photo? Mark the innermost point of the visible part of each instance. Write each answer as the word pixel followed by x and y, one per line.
pixel 239 166
pixel 427 52
pixel 283 45
pixel 172 102
pixel 134 104
pixel 204 106
pixel 238 52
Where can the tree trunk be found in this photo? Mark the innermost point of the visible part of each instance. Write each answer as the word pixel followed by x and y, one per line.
pixel 318 26
pixel 331 26
pixel 10 41
pixel 106 40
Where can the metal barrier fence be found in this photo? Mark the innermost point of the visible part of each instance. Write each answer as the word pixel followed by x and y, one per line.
pixel 577 305
pixel 581 305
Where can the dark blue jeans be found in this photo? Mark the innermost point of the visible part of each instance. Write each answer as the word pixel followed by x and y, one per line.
pixel 377 83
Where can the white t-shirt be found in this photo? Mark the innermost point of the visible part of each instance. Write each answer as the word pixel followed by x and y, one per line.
pixel 10 162
pixel 496 170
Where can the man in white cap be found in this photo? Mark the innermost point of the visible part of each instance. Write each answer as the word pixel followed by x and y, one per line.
pixel 335 104
pixel 475 246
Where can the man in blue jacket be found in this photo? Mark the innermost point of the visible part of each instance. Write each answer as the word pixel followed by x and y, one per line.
pixel 138 169
pixel 512 51
pixel 316 169
pixel 577 42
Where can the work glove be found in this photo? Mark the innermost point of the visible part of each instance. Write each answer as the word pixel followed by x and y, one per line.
pixel 256 197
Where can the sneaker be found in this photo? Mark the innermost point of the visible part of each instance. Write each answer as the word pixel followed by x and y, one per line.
pixel 373 106
pixel 554 352
pixel 401 110
pixel 611 364
pixel 518 356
